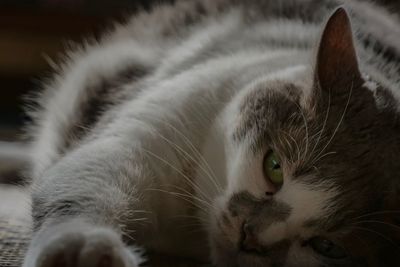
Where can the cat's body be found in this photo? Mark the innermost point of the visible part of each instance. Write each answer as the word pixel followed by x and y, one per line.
pixel 157 130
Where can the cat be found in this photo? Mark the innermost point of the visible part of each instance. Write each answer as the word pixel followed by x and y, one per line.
pixel 233 133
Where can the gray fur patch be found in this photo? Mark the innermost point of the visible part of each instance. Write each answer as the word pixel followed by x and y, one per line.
pixel 103 95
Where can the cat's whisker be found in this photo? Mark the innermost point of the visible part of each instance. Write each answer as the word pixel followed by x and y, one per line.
pixel 195 223
pixel 324 155
pixel 397 227
pixel 193 217
pixel 139 219
pixel 188 200
pixel 185 197
pixel 198 199
pixel 197 154
pixel 338 125
pixel 324 123
pixel 191 194
pixel 129 234
pixel 365 245
pixel 307 134
pixel 141 211
pixel 291 157
pixel 130 217
pixel 384 212
pixel 187 156
pixel 378 234
pixel 187 179
pixel 211 176
pixel 186 191
pixel 295 143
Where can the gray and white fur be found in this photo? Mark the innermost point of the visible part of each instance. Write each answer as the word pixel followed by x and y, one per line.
pixel 154 139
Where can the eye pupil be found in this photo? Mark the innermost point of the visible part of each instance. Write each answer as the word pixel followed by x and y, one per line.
pixel 273 169
pixel 276 166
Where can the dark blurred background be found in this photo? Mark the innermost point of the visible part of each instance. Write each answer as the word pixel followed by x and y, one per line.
pixel 33 30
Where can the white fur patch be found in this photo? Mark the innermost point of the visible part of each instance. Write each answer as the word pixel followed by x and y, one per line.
pixel 306 203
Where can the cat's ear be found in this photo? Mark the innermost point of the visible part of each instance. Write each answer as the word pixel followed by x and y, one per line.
pixel 336 67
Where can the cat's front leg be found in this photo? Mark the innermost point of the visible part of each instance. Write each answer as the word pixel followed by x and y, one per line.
pixel 76 243
pixel 83 206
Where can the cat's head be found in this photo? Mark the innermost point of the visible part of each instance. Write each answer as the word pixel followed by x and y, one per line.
pixel 313 171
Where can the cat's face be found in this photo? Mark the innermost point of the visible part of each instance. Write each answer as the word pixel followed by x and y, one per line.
pixel 313 178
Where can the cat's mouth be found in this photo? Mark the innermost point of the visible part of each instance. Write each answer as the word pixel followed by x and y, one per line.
pixel 249 244
pixel 234 246
pixel 224 256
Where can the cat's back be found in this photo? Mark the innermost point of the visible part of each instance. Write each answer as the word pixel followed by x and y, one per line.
pixel 95 80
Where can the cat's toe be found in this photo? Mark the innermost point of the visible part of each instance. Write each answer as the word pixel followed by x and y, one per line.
pixel 104 249
pixel 96 247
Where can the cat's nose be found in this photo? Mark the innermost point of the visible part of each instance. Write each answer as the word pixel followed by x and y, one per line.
pixel 249 241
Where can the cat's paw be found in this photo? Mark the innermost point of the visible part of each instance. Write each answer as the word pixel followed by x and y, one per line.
pixel 77 245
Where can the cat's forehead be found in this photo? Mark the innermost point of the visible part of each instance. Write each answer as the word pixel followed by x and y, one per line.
pixel 266 106
pixel 283 110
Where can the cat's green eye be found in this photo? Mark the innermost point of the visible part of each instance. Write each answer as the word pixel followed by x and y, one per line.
pixel 327 248
pixel 273 169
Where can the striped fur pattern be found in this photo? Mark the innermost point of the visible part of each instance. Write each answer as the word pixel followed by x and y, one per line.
pixel 154 138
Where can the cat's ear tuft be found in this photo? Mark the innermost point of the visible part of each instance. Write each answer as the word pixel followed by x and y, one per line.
pixel 337 64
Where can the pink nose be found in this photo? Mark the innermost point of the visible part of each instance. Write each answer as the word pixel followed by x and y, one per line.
pixel 249 242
